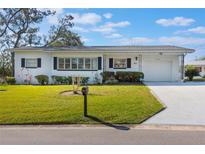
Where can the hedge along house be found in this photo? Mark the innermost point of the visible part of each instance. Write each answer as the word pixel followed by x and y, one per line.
pixel 158 63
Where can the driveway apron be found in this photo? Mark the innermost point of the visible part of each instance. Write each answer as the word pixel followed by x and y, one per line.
pixel 185 103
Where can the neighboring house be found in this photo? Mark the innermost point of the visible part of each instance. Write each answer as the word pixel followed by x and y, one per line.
pixel 158 63
pixel 199 65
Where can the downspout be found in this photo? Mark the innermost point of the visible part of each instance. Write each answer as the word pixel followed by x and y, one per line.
pixel 103 63
pixel 182 67
pixel 140 63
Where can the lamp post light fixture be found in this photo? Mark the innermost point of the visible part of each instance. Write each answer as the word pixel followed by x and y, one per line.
pixel 85 93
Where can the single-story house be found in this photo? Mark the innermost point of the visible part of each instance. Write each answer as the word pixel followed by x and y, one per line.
pixel 199 65
pixel 158 63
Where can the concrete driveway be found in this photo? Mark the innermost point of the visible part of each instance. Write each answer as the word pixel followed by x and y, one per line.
pixel 185 103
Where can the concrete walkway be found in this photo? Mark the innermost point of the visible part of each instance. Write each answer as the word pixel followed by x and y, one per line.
pixel 185 103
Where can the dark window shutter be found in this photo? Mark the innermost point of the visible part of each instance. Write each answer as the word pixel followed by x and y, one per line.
pixel 110 62
pixel 99 63
pixel 128 62
pixel 54 63
pixel 39 62
pixel 22 62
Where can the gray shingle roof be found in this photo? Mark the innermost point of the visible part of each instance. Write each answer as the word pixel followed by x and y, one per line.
pixel 161 48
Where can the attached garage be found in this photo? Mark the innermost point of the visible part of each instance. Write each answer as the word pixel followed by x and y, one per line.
pixel 156 69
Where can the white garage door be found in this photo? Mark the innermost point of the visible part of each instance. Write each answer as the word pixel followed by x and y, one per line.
pixel 157 70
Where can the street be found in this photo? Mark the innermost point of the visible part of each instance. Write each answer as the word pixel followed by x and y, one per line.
pixel 101 135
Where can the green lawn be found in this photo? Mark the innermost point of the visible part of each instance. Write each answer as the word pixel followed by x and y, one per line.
pixel 43 104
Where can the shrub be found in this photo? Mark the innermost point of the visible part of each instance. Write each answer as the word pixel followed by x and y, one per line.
pixel 42 79
pixel 61 79
pixel 129 76
pixel 107 75
pixel 10 80
pixel 84 80
pixel 190 72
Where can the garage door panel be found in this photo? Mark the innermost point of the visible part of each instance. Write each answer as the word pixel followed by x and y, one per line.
pixel 157 70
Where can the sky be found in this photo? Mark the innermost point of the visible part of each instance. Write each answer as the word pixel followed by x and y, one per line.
pixel 180 27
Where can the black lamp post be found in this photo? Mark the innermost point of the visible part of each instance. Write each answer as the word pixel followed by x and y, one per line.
pixel 85 93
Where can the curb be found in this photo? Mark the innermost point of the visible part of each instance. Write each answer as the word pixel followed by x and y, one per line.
pixel 132 127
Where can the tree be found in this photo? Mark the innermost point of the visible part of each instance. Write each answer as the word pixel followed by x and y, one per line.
pixel 190 72
pixel 61 36
pixel 5 65
pixel 16 23
pixel 18 26
pixel 32 38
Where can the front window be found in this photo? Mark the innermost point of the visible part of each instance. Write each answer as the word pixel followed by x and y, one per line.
pixel 61 63
pixel 77 63
pixel 80 63
pixel 120 63
pixel 67 63
pixel 87 63
pixel 31 63
pixel 94 63
pixel 74 63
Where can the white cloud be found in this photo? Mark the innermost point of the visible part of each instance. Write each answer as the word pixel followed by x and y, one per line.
pixel 80 29
pixel 173 40
pixel 196 30
pixel 103 29
pixel 178 40
pixel 86 18
pixel 108 15
pixel 117 24
pixel 85 40
pixel 114 35
pixel 135 41
pixel 177 21
pixel 54 19
pixel 109 26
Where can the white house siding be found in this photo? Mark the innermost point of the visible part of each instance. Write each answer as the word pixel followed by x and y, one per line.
pixel 134 63
pixel 142 59
pixel 22 74
pixel 199 65
pixel 202 73
pixel 90 74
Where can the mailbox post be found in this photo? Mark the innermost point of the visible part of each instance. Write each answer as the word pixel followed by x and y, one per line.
pixel 85 93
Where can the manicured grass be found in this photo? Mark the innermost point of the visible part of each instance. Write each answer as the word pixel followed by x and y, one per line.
pixel 43 104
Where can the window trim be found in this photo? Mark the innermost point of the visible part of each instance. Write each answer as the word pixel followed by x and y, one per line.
pixel 119 67
pixel 31 59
